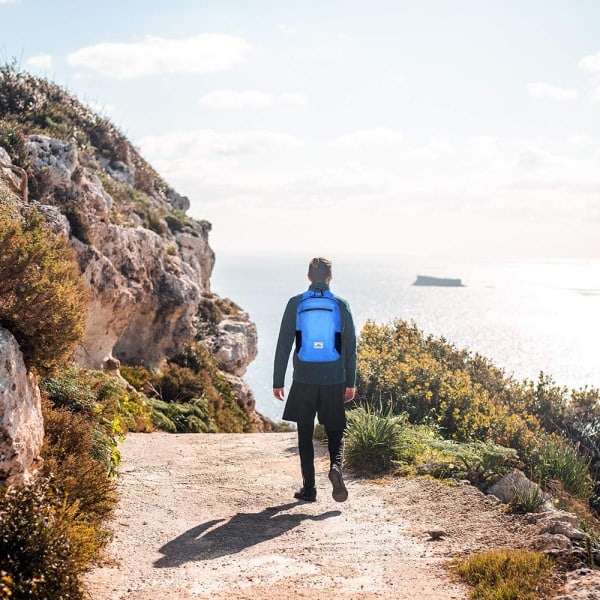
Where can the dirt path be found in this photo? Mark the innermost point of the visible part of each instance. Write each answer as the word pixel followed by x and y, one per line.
pixel 213 516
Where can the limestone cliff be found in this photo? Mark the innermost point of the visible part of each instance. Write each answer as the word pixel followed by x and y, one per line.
pixel 147 265
pixel 21 426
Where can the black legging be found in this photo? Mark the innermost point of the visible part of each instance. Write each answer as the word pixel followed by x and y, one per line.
pixel 335 444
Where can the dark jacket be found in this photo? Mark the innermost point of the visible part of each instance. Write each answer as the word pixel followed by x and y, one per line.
pixel 342 370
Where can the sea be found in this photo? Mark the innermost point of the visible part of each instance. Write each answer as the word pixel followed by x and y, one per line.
pixel 525 315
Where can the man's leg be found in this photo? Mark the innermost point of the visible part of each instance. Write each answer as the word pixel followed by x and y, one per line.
pixel 335 444
pixel 301 406
pixel 332 413
pixel 307 461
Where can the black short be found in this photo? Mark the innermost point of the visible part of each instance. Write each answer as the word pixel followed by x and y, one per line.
pixel 306 400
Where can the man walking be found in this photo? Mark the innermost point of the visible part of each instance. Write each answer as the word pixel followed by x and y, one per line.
pixel 324 373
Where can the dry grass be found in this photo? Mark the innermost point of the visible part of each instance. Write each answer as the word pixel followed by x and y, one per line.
pixel 507 575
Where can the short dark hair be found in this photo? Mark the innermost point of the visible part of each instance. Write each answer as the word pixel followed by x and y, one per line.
pixel 319 269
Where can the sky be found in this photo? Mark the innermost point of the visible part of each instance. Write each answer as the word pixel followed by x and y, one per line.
pixel 423 127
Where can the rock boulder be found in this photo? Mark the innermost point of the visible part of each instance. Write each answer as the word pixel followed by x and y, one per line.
pixel 21 423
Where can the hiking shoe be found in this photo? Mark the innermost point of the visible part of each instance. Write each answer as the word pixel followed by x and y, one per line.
pixel 306 494
pixel 339 493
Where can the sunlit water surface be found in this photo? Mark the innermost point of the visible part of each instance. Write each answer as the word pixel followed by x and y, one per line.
pixel 527 316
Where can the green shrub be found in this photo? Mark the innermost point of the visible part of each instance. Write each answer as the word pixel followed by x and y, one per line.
pixel 79 462
pixel 101 395
pixel 528 499
pixel 85 414
pixel 13 141
pixel 42 297
pixel 408 373
pixel 182 417
pixel 68 390
pixel 154 221
pixel 558 459
pixel 373 440
pixel 469 400
pixel 191 377
pixel 179 384
pixel 37 558
pixel 139 377
pixel 479 462
pixel 507 575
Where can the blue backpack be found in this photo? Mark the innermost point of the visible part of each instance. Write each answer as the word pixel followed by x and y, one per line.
pixel 318 327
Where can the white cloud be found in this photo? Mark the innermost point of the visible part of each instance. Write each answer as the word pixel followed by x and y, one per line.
pixel 595 95
pixel 590 63
pixel 39 61
pixel 380 136
pixel 286 29
pixel 434 149
pixel 249 98
pixel 207 142
pixel 519 182
pixel 9 1
pixel 532 158
pixel 540 89
pixel 349 179
pixel 204 53
pixel 483 146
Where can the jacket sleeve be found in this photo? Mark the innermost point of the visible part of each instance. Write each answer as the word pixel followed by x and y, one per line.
pixel 285 341
pixel 349 345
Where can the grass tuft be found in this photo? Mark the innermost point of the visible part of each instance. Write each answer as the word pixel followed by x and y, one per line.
pixel 528 499
pixel 507 575
pixel 374 440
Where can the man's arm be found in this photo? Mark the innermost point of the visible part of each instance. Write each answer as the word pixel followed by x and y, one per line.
pixel 349 346
pixel 285 341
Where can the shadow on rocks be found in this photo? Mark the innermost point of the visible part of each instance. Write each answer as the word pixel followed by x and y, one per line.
pixel 205 541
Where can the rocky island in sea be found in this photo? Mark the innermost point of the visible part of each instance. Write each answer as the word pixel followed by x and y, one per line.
pixel 439 281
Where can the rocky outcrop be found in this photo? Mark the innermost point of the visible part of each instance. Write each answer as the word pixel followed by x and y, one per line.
pixel 506 489
pixel 235 344
pixel 145 276
pixel 147 266
pixel 12 176
pixel 21 423
pixel 582 584
pixel 554 532
pixel 145 284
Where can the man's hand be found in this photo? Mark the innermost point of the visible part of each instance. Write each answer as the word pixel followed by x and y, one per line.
pixel 278 393
pixel 349 395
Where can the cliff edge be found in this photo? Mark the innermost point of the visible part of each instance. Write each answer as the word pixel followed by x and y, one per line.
pixel 145 263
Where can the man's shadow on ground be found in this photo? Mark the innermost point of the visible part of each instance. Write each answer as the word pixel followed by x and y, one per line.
pixel 241 531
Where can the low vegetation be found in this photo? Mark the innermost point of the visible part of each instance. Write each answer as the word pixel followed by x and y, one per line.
pixel 30 105
pixel 190 394
pixel 507 575
pixel 479 412
pixel 425 407
pixel 42 298
pixel 38 558
pixel 55 526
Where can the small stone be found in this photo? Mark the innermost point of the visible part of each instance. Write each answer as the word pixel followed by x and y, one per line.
pixel 436 534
